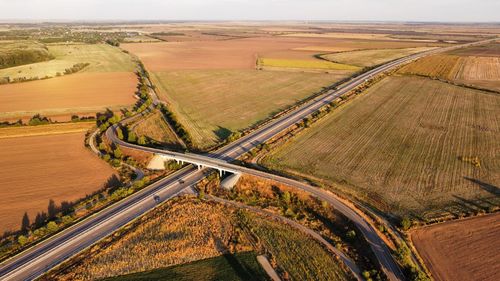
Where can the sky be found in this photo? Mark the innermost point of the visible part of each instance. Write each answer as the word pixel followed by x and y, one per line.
pixel 335 10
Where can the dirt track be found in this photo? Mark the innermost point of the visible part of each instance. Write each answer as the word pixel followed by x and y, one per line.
pixel 461 250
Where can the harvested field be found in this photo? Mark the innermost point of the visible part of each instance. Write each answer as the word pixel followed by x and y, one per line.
pixel 406 146
pixel 464 250
pixel 212 104
pixel 156 129
pixel 372 57
pixel 477 71
pixel 101 57
pixel 52 129
pixel 305 64
pixel 242 53
pixel 76 93
pixel 487 50
pixel 442 66
pixel 39 168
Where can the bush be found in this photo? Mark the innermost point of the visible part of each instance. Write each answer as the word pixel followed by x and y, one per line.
pixel 351 235
pixel 406 223
pixel 22 240
pixel 117 153
pixel 52 226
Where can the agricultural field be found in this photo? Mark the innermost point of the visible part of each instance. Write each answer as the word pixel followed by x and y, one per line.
pixel 237 267
pixel 305 64
pixel 410 146
pixel 171 240
pixel 37 168
pixel 478 66
pixel 374 57
pixel 81 93
pixel 101 57
pixel 461 250
pixel 211 104
pixel 156 129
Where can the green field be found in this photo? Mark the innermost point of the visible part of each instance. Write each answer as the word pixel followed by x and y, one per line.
pixel 372 57
pixel 102 58
pixel 305 64
pixel 240 266
pixel 408 146
pixel 298 254
pixel 213 103
pixel 14 53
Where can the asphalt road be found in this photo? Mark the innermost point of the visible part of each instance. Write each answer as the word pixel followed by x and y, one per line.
pixel 38 259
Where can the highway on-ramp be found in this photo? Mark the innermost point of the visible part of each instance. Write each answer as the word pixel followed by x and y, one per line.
pixel 38 259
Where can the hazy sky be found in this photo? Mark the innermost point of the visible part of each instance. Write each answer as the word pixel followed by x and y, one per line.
pixel 396 10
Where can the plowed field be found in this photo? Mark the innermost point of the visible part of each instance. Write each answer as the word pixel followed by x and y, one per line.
pixel 39 168
pixel 464 250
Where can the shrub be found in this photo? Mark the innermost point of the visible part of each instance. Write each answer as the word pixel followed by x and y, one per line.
pixel 22 240
pixel 406 223
pixel 52 226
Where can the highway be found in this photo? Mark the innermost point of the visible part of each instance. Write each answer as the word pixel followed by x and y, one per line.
pixel 38 259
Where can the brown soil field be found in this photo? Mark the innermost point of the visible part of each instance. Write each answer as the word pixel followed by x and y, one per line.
pixel 76 93
pixel 39 168
pixel 242 53
pixel 400 145
pixel 465 250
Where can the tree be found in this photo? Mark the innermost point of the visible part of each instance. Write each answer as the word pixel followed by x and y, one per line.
pixel 142 140
pixel 132 137
pixel 117 153
pixel 119 133
pixel 52 226
pixel 406 223
pixel 22 240
pixel 351 235
pixel 287 197
pixel 52 209
pixel 25 223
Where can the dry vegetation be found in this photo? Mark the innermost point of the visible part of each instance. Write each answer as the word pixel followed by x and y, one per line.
pixel 212 104
pixel 187 230
pixel 372 57
pixel 461 250
pixel 73 94
pixel 156 129
pixel 39 168
pixel 302 257
pixel 174 234
pixel 400 146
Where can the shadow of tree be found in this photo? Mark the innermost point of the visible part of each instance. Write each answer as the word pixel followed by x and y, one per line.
pixel 486 186
pixel 222 133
